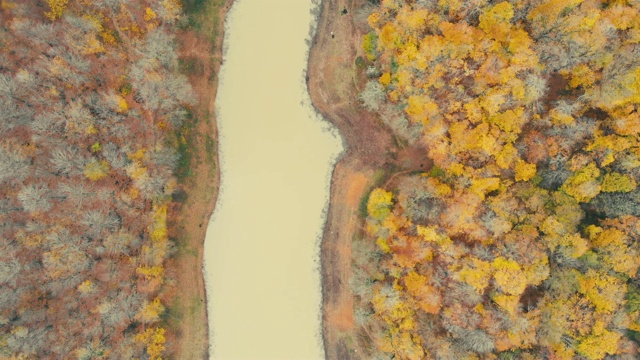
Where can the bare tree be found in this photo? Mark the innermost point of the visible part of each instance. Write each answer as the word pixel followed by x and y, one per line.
pixel 372 96
pixel 41 35
pixel 35 198
pixel 14 167
pixel 68 161
pixel 536 87
pixel 477 341
pixel 97 222
pixel 163 156
pixel 14 112
pixel 30 341
pixel 177 116
pixel 9 269
pixel 121 243
pixel 116 156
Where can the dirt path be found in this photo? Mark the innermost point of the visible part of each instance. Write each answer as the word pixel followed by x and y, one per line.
pixel 348 186
pixel 333 81
pixel 186 296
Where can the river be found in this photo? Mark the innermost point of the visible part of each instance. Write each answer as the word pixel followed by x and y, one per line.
pixel 262 244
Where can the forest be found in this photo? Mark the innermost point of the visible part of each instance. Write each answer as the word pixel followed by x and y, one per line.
pixel 94 112
pixel 522 239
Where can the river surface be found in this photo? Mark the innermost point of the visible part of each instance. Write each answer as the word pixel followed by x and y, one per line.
pixel 263 241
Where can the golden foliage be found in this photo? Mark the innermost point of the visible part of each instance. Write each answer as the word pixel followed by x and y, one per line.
pixel 600 343
pixel 56 8
pixel 604 291
pixel 149 14
pixel 583 185
pixel 369 45
pixel 477 274
pixel 96 170
pixel 613 182
pixel 86 287
pixel 509 276
pixel 524 171
pixel 155 340
pixel 151 272
pixel 385 79
pixel 150 311
pixel 379 204
pixel 529 112
pixel 158 228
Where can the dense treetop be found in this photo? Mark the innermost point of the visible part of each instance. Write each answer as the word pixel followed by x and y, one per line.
pixel 92 107
pixel 522 240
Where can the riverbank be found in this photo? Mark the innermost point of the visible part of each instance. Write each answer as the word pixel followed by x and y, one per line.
pixel 372 155
pixel 333 88
pixel 200 59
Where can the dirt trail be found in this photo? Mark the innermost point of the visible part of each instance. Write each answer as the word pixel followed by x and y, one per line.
pixel 346 197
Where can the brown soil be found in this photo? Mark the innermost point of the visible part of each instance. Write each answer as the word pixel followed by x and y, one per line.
pixel 345 199
pixel 188 314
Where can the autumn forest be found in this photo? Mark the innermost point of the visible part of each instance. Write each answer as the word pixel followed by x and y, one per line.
pixel 522 239
pixel 519 239
pixel 94 121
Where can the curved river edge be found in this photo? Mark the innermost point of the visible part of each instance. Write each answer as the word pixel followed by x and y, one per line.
pixel 201 45
pixel 371 156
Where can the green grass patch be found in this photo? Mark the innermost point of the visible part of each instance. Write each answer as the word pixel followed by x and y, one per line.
pixel 634 336
pixel 184 139
pixel 196 304
pixel 400 142
pixel 210 150
pixel 185 250
pixel 125 89
pixel 183 247
pixel 437 172
pixel 394 65
pixel 191 7
pixel 184 165
pixel 633 299
pixel 362 207
pixel 173 315
pixel 191 66
pixel 202 16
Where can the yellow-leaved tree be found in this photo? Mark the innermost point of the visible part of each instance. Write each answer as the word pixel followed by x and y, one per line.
pixel 56 7
pixel 379 204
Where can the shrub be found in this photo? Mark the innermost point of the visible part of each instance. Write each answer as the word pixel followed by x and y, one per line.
pixel 372 96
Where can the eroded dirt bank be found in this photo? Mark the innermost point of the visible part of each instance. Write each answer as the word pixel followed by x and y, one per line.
pixel 372 157
pixel 333 87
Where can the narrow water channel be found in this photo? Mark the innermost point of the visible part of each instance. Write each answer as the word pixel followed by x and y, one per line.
pixel 262 244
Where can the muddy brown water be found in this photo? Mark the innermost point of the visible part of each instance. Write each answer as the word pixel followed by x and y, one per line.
pixel 262 245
